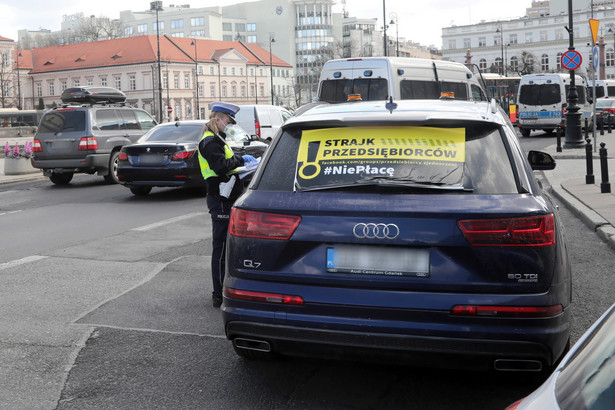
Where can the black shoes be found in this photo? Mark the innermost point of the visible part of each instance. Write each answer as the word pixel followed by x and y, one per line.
pixel 216 301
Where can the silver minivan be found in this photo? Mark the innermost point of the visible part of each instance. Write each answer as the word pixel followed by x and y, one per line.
pixel 262 120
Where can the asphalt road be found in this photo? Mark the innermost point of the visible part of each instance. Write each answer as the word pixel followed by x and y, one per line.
pixel 121 318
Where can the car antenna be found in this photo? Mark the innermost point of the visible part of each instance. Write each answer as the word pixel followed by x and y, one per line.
pixel 390 105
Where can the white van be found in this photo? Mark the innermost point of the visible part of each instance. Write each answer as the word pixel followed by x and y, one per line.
pixel 262 120
pixel 604 88
pixel 542 101
pixel 403 78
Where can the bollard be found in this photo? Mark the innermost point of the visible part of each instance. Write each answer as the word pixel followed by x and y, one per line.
pixel 558 133
pixel 605 185
pixel 586 128
pixel 589 177
pixel 602 123
pixel 608 116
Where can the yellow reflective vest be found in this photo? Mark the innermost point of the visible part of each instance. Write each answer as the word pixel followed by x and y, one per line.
pixel 206 171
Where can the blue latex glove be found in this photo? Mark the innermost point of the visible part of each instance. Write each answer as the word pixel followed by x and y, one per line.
pixel 248 158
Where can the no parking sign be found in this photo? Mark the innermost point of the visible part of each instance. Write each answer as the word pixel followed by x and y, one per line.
pixel 571 60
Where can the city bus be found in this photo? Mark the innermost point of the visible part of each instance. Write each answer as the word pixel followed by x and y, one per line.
pixel 504 90
pixel 12 117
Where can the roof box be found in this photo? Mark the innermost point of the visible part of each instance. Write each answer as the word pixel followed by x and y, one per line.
pixel 93 94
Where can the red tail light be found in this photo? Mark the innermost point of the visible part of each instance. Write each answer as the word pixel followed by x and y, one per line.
pixel 36 146
pixel 611 110
pixel 262 297
pixel 257 127
pixel 262 225
pixel 182 155
pixel 123 156
pixel 564 105
pixel 507 311
pixel 88 143
pixel 532 231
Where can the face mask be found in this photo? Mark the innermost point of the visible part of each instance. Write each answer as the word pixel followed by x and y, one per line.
pixel 226 127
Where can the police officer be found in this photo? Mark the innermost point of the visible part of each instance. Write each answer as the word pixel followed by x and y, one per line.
pixel 218 166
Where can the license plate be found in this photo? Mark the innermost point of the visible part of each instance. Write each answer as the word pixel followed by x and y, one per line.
pixel 151 159
pixel 369 260
pixel 528 120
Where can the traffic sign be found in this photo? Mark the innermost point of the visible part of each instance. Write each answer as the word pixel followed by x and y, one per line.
pixel 169 110
pixel 593 26
pixel 571 60
pixel 595 57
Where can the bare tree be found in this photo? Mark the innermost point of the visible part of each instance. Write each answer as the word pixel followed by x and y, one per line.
pixel 98 28
pixel 527 63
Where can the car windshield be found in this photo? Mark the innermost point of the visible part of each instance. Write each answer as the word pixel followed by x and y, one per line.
pixel 604 103
pixel 174 133
pixel 588 381
pixel 428 159
pixel 62 120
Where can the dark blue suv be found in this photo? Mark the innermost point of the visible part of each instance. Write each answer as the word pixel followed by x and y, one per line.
pixel 412 230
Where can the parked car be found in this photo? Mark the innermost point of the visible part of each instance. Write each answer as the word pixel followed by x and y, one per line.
pixel 167 156
pixel 585 378
pixel 605 111
pixel 86 138
pixel 411 229
pixel 262 120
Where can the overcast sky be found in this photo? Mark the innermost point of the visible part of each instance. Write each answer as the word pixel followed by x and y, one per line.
pixel 419 21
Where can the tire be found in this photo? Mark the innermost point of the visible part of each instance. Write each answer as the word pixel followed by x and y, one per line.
pixel 61 179
pixel 111 177
pixel 525 132
pixel 140 190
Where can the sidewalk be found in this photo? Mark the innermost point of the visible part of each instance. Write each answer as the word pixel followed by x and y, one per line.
pixel 566 182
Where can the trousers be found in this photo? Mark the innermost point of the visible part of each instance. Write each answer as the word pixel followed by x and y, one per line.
pixel 220 211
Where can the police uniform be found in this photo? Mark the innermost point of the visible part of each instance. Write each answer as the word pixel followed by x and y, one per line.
pixel 218 166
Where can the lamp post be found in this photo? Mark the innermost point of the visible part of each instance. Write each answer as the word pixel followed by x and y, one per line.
pixel 384 25
pixel 196 77
pixel 18 83
pixel 574 138
pixel 506 60
pixel 501 31
pixel 394 20
pixel 271 40
pixel 157 6
pixel 611 31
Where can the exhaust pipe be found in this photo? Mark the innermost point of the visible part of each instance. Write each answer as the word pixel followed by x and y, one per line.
pixel 252 344
pixel 517 365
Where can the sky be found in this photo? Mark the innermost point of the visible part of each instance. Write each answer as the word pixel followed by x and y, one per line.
pixel 419 21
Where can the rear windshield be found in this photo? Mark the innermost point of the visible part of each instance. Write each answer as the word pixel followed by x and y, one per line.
pixel 62 120
pixel 454 159
pixel 432 90
pixel 371 89
pixel 182 133
pixel 547 94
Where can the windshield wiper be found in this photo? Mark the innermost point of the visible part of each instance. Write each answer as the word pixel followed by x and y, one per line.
pixel 390 183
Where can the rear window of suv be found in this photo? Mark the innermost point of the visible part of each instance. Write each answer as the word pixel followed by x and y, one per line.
pixel 62 120
pixel 470 158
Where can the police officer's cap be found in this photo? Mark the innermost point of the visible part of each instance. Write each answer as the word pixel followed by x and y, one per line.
pixel 227 108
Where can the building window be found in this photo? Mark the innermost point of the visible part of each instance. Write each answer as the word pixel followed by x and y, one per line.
pixel 224 71
pixel 544 63
pixel 224 91
pixel 212 90
pixel 159 26
pixel 232 70
pixel 118 83
pixel 63 85
pixel 467 43
pixel 186 81
pixel 482 41
pixel 251 90
pixel 177 24
pixel 262 90
pixel 103 81
pixel 559 61
pixel 188 110
pixel 165 80
pixel 197 21
pixel 176 81
pixel 528 37
pixel 76 83
pixel 227 26
pixel 609 57
pixel 452 44
pixel 142 28
pixel 544 36
pixel 178 110
pixel 251 39
pixel 198 33
pixel 498 63
pixel 132 83
pixel 178 34
pixel 227 37
pixel 512 39
pixel 233 91
pixel 200 88
pixel 39 90
pixel 89 82
pixel 52 90
pixel 514 63
pixel 241 71
pixel 251 27
pixel 128 31
pixel 243 90
pixel 240 27
pixel 496 40
pixel 211 70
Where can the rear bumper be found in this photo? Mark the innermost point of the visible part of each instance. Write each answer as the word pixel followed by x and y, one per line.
pixel 172 177
pixel 89 164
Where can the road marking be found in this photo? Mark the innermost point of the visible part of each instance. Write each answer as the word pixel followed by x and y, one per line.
pixel 22 261
pixel 167 221
pixel 9 212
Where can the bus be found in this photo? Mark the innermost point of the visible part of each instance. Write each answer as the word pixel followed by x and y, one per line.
pixel 504 90
pixel 12 117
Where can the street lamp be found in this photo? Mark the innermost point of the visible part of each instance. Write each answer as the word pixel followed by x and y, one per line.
pixel 157 6
pixel 394 20
pixel 501 31
pixel 611 31
pixel 196 76
pixel 384 24
pixel 271 40
pixel 18 83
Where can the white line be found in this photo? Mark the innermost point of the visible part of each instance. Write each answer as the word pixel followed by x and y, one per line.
pixel 10 212
pixel 21 261
pixel 167 221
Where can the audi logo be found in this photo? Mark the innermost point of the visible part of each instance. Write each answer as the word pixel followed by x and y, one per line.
pixel 375 231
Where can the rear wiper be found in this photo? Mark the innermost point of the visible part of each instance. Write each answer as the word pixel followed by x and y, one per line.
pixel 403 182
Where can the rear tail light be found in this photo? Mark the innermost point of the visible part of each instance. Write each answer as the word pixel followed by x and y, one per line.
pixel 257 128
pixel 88 143
pixel 263 297
pixel 36 146
pixel 182 155
pixel 532 231
pixel 611 110
pixel 564 105
pixel 123 156
pixel 508 311
pixel 262 225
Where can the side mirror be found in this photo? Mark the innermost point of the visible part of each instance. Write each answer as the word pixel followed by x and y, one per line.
pixel 540 161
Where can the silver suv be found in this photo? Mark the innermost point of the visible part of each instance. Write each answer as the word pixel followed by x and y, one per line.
pixel 86 138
